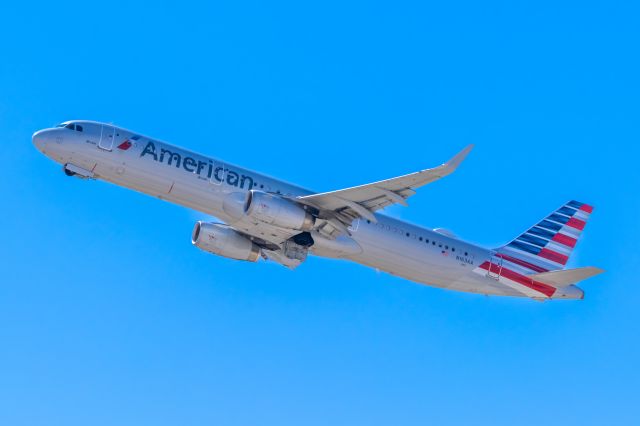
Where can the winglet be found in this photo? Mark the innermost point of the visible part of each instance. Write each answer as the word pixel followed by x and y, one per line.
pixel 458 158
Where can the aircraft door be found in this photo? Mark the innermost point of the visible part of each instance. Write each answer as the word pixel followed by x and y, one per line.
pixel 107 137
pixel 219 173
pixel 495 267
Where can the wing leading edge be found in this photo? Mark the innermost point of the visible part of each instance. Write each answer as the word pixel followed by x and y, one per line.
pixel 340 208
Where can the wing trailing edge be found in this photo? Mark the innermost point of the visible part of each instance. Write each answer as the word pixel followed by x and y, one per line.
pixel 340 208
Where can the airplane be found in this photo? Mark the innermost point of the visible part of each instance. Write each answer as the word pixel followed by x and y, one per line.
pixel 262 217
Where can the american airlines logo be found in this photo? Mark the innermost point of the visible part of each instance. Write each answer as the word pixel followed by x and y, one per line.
pixel 201 168
pixel 125 145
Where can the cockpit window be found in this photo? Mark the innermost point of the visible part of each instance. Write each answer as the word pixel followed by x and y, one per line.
pixel 71 126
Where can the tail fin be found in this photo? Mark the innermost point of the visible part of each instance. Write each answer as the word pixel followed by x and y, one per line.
pixel 548 245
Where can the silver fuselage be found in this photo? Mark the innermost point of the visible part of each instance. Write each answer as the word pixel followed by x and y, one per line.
pixel 203 183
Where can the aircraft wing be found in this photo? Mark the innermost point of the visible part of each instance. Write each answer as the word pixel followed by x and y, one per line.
pixel 341 207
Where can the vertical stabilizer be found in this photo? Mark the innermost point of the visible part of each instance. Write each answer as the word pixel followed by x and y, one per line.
pixel 548 245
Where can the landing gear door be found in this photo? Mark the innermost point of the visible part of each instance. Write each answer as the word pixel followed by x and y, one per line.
pixel 107 137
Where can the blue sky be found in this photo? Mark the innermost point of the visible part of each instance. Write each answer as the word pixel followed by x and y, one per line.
pixel 108 315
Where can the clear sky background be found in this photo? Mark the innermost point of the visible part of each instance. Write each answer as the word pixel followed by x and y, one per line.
pixel 108 315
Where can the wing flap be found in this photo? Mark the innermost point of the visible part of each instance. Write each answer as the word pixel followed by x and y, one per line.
pixel 362 201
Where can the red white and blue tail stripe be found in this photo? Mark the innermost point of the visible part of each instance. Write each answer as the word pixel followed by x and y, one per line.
pixel 548 245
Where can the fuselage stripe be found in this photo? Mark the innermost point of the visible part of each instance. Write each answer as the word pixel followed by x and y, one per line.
pixel 531 239
pixel 552 226
pixel 540 232
pixel 522 263
pixel 565 239
pixel 525 247
pixel 568 211
pixel 576 223
pixel 553 256
pixel 543 288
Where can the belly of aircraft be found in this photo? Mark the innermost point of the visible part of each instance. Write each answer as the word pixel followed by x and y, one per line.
pixel 431 269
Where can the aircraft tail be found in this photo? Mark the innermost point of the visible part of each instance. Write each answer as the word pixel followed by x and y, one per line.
pixel 548 245
pixel 566 277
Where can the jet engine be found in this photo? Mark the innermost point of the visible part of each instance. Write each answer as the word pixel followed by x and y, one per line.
pixel 277 211
pixel 220 239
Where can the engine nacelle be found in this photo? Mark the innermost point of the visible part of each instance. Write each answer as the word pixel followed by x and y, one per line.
pixel 277 211
pixel 222 240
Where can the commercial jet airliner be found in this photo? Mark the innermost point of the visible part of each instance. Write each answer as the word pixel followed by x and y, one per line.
pixel 266 218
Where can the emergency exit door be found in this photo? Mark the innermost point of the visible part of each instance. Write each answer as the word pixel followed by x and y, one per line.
pixel 107 137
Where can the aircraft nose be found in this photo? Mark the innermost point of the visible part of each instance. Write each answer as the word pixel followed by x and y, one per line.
pixel 39 139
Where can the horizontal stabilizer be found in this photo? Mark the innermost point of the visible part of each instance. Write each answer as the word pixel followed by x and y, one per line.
pixel 566 277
